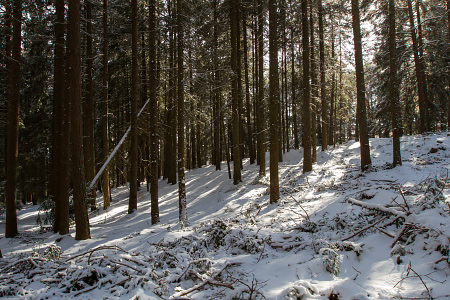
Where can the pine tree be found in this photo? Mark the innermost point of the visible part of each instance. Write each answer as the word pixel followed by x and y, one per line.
pixel 361 117
pixel 105 106
pixel 323 95
pixel 154 141
pixel 132 205
pixel 260 103
pixel 61 129
pixel 12 127
pixel 74 84
pixel 181 151
pixel 88 114
pixel 274 100
pixel 234 23
pixel 307 155
pixel 393 92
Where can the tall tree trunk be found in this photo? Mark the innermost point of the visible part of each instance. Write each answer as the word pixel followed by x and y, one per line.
pixel 419 73
pixel 323 95
pixel 74 84
pixel 88 115
pixel 332 127
pixel 154 140
pixel 314 91
pixel 217 120
pixel 234 22
pixel 393 91
pixel 274 101
pixel 260 105
pixel 105 117
pixel 247 89
pixel 171 117
pixel 61 129
pixel 181 154
pixel 133 155
pixel 422 67
pixel 13 121
pixel 448 29
pixel 293 96
pixel 361 117
pixel 307 157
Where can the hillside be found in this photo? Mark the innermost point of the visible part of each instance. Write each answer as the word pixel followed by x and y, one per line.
pixel 337 233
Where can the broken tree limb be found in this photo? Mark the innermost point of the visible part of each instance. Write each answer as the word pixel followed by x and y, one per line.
pixel 210 280
pixel 94 181
pixel 388 210
pixel 364 229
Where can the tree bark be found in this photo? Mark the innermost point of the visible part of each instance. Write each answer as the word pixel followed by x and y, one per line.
pixel 323 94
pixel 260 103
pixel 448 29
pixel 74 84
pixel 274 101
pixel 88 115
pixel 393 91
pixel 293 92
pixel 154 113
pixel 12 130
pixel 314 90
pixel 132 205
pixel 181 154
pixel 61 129
pixel 307 157
pixel 247 89
pixel 422 67
pixel 234 21
pixel 105 117
pixel 419 73
pixel 366 161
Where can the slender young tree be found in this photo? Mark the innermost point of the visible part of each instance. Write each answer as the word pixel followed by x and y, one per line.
pixel 293 92
pixel 419 73
pixel 361 117
pixel 422 66
pixel 393 91
pixel 134 155
pixel 154 141
pixel 307 155
pixel 74 84
pixel 260 103
pixel 13 120
pixel 88 114
pixel 234 23
pixel 181 151
pixel 448 29
pixel 314 86
pixel 105 105
pixel 247 88
pixel 274 101
pixel 323 94
pixel 61 129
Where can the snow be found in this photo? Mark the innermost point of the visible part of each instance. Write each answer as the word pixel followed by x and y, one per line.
pixel 238 246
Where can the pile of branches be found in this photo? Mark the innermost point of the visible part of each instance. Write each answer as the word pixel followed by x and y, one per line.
pixel 173 269
pixel 404 214
pixel 108 267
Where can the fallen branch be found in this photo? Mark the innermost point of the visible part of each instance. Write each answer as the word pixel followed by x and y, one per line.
pixel 410 269
pixel 209 280
pixel 364 229
pixel 388 210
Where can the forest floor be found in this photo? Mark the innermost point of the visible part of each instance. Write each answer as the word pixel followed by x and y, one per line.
pixel 337 233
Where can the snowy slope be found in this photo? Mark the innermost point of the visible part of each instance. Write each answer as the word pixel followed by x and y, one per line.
pixel 238 246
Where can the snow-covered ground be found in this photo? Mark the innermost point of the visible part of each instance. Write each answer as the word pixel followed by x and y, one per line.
pixel 337 233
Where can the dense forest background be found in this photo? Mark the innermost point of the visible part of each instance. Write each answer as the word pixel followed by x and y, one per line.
pixel 74 77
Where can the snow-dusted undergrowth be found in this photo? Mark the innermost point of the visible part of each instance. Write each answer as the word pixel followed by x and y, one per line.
pixel 337 233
